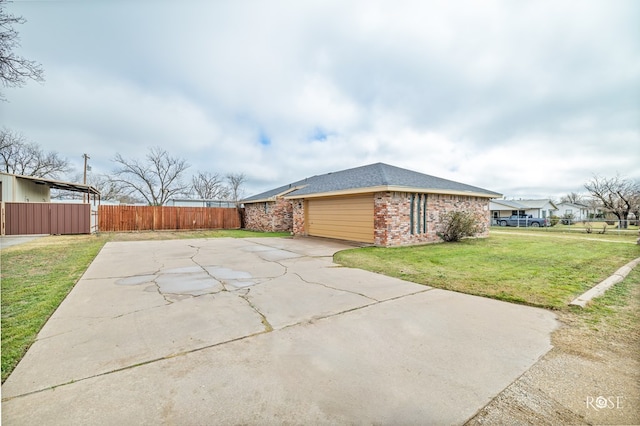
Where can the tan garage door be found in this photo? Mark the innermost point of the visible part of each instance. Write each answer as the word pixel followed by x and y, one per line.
pixel 345 218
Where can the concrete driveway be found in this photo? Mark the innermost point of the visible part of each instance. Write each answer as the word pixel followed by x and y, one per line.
pixel 265 331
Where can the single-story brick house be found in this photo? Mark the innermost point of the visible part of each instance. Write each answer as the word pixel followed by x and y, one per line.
pixel 377 204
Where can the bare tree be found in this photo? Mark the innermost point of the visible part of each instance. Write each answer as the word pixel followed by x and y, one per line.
pixel 18 156
pixel 616 194
pixel 236 192
pixel 236 182
pixel 156 178
pixel 209 186
pixel 109 189
pixel 14 69
pixel 573 198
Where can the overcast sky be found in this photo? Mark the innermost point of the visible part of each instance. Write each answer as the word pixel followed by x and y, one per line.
pixel 526 98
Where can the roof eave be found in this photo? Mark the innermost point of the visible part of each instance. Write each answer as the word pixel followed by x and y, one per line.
pixel 392 188
pixel 259 200
pixel 274 197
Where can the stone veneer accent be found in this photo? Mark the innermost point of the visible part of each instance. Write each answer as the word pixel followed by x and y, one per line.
pixel 392 216
pixel 298 218
pixel 269 216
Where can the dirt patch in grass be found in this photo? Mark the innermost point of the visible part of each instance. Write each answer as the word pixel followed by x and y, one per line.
pixel 591 376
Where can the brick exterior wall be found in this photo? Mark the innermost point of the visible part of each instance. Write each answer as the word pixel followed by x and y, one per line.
pixel 400 218
pixel 271 216
pixel 396 225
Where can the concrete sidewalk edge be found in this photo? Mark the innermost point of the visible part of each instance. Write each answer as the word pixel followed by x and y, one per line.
pixel 603 286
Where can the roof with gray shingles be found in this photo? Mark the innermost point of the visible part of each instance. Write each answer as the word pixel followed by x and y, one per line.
pixel 512 204
pixel 523 204
pixel 537 204
pixel 370 176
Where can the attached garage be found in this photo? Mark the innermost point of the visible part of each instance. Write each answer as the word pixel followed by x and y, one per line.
pixel 344 218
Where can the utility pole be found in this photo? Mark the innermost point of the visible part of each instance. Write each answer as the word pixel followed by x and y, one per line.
pixel 84 181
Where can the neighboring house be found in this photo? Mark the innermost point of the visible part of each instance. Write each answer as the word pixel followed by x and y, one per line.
pixel 26 207
pixel 187 202
pixel 535 208
pixel 577 211
pixel 377 204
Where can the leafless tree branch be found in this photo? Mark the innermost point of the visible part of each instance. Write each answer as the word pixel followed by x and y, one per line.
pixel 156 179
pixel 236 182
pixel 573 198
pixel 18 156
pixel 209 186
pixel 15 70
pixel 618 196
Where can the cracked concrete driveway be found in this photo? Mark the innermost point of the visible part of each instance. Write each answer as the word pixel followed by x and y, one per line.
pixel 265 331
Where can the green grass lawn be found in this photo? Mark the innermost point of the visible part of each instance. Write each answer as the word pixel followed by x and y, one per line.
pixel 547 271
pixel 36 277
pixel 613 309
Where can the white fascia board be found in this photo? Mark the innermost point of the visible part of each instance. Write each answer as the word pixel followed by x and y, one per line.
pixel 357 191
pixel 275 197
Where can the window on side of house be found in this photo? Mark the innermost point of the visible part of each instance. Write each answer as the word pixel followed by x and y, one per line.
pixel 418 214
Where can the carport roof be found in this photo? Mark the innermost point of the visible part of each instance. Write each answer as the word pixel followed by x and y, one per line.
pixel 58 184
pixel 370 178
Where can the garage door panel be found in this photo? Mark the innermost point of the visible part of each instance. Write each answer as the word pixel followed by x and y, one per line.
pixel 346 222
pixel 348 218
pixel 339 211
pixel 334 205
pixel 342 228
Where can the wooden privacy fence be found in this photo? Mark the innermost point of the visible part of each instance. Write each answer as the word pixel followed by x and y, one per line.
pixel 156 218
pixel 45 218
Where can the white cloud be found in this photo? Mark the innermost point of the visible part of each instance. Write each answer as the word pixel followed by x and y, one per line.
pixel 516 97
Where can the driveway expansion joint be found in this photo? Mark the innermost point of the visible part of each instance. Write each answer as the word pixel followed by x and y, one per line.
pixel 335 288
pixel 132 366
